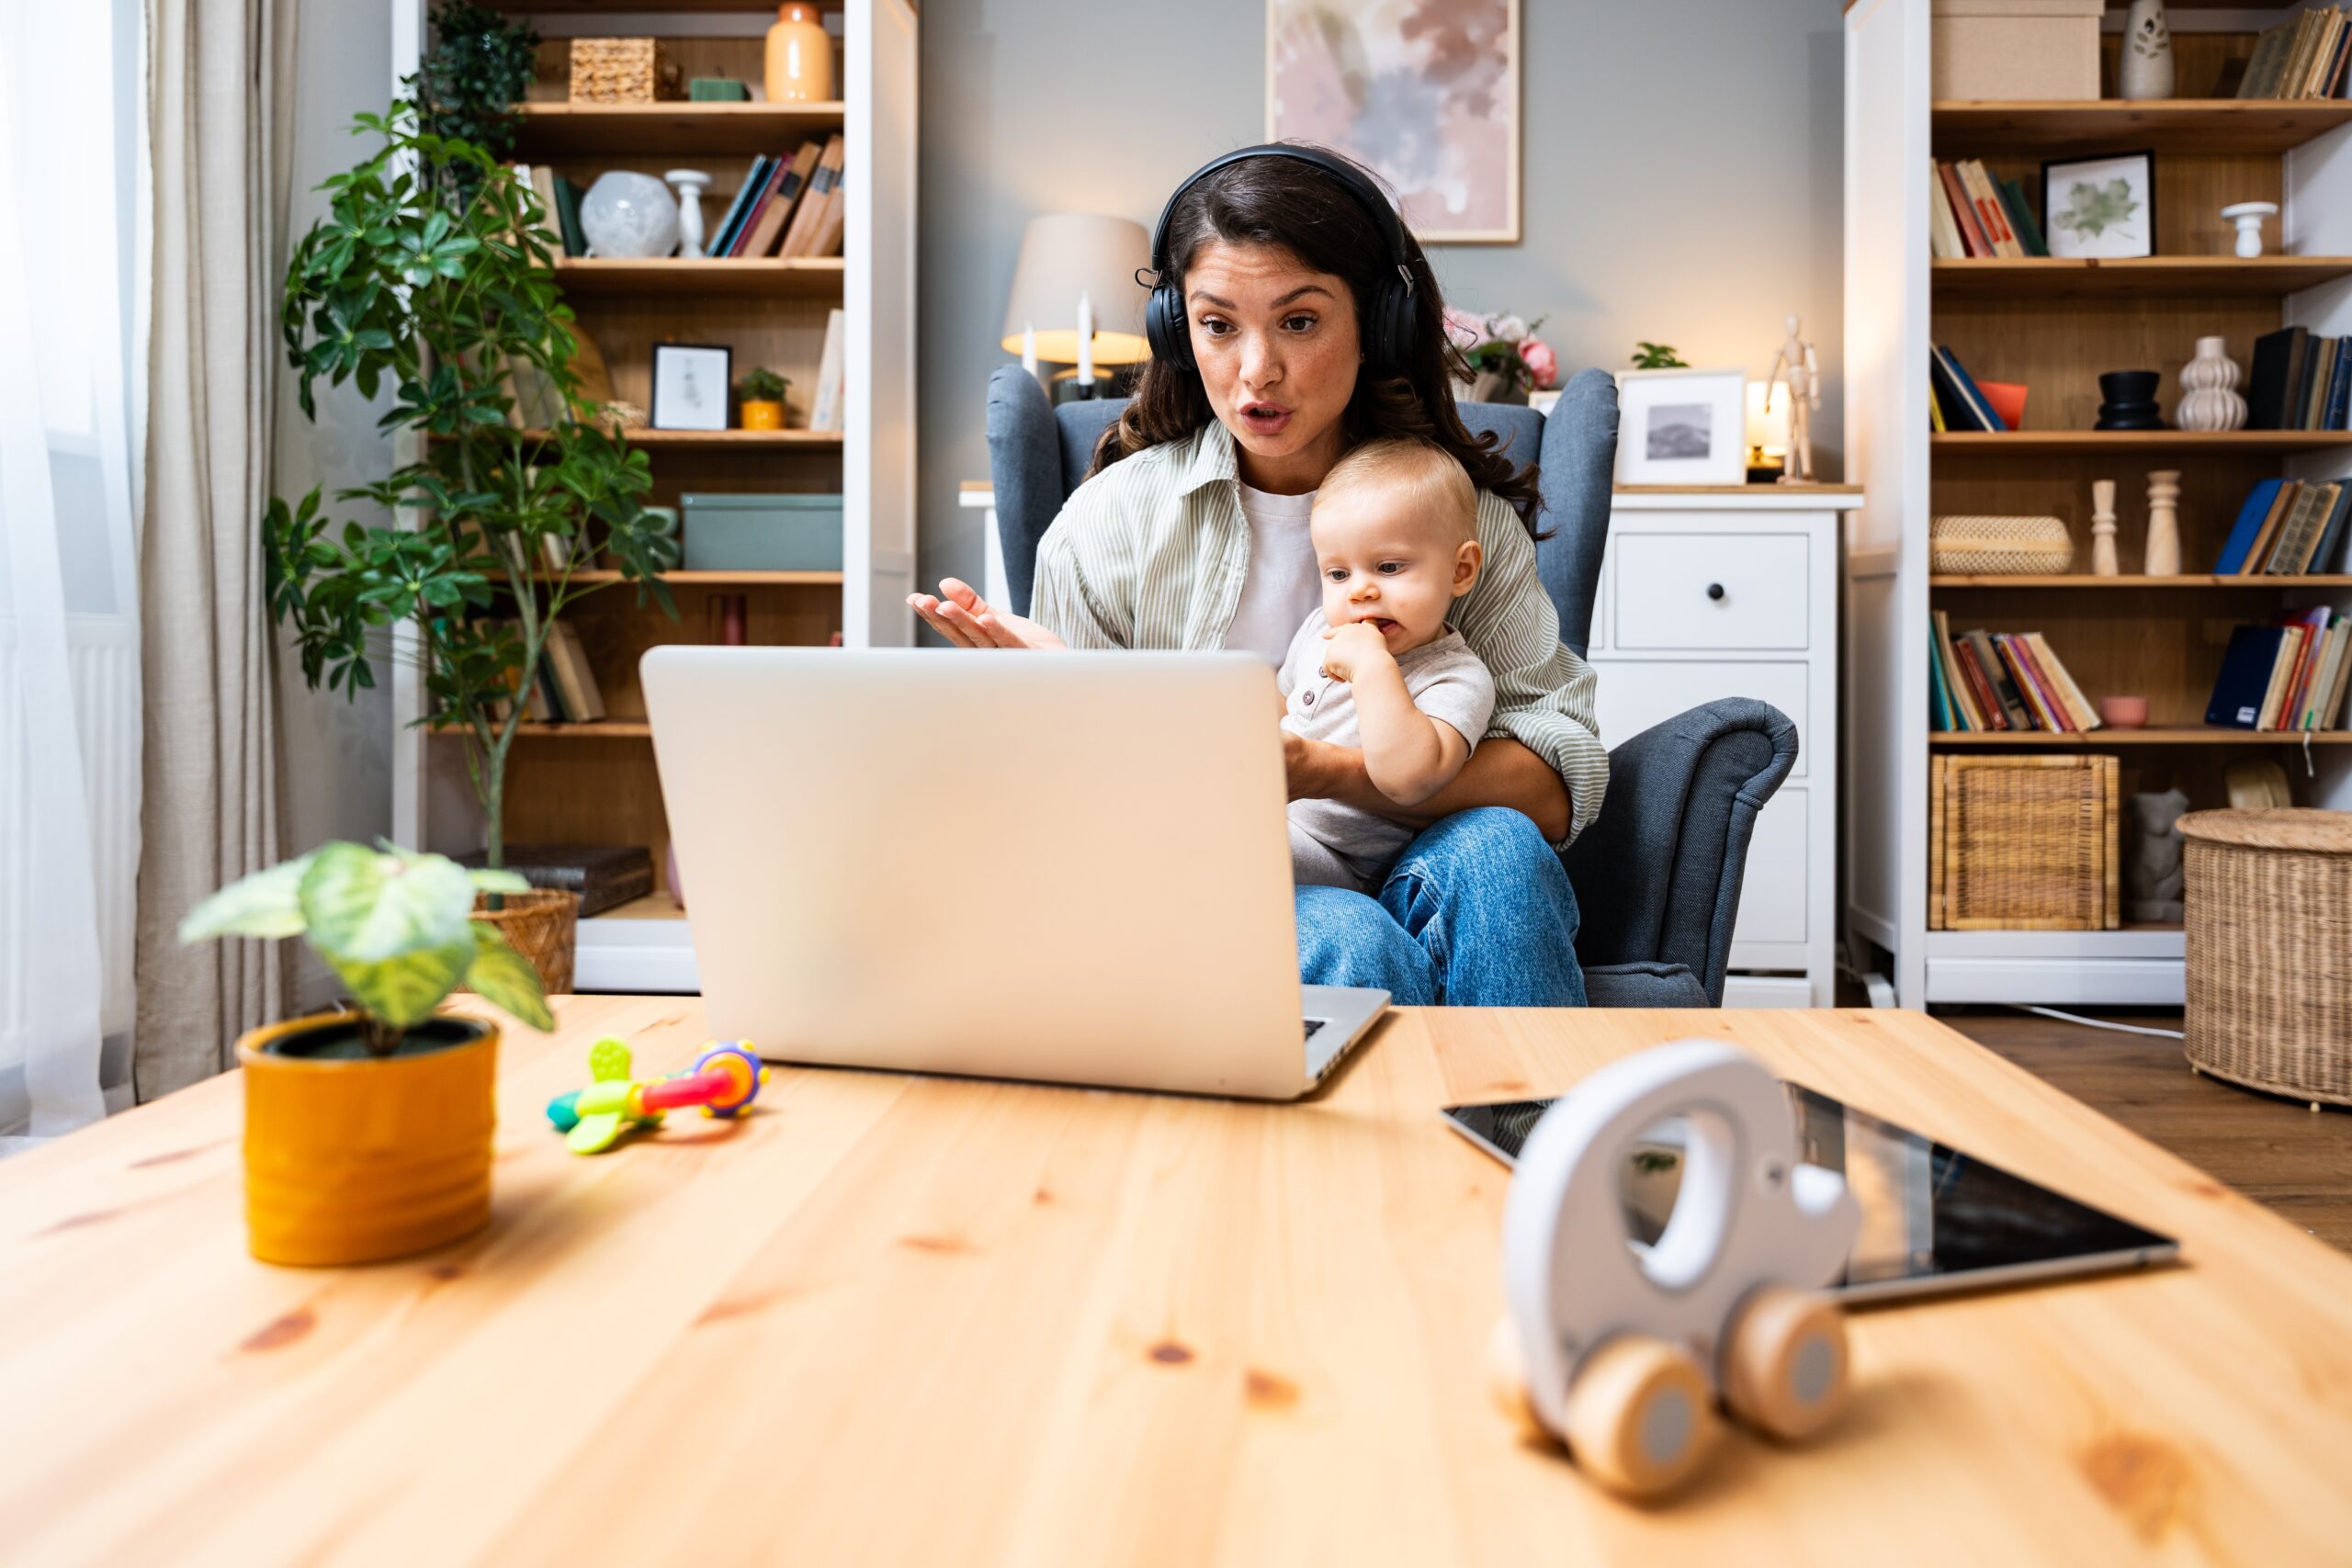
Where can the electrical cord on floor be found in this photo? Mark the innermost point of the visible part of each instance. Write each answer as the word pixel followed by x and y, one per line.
pixel 2098 1022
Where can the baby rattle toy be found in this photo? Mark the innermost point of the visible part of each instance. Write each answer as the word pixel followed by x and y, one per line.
pixel 1622 1352
pixel 723 1080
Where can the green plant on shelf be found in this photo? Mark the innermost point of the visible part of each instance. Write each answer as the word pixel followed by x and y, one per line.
pixel 466 87
pixel 1657 356
pixel 442 290
pixel 763 385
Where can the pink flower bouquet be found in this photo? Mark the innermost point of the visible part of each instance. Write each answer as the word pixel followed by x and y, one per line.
pixel 1504 345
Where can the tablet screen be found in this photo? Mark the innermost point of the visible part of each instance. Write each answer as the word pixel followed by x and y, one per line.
pixel 1933 1219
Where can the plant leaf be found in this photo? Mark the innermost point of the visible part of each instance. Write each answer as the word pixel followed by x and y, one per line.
pixel 364 908
pixel 267 904
pixel 403 990
pixel 506 979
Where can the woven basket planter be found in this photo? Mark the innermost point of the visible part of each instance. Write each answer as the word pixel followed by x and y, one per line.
pixel 543 925
pixel 623 71
pixel 1998 546
pixel 2023 844
pixel 2269 948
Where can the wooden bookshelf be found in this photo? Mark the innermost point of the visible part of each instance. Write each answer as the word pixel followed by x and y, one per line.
pixel 2066 277
pixel 589 277
pixel 2187 444
pixel 555 129
pixel 2177 735
pixel 1971 128
pixel 2256 584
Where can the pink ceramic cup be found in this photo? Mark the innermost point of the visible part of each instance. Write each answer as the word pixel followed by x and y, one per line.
pixel 2125 713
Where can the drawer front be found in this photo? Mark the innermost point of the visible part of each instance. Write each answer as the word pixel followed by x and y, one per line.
pixel 1710 591
pixel 1633 694
pixel 1772 896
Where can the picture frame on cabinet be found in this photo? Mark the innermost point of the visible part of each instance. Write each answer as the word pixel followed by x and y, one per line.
pixel 2103 206
pixel 1683 427
pixel 691 383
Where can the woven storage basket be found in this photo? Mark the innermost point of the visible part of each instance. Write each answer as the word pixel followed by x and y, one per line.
pixel 622 71
pixel 2269 948
pixel 1968 546
pixel 543 925
pixel 2023 844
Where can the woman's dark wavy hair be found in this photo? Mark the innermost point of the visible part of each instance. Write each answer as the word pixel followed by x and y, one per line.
pixel 1290 204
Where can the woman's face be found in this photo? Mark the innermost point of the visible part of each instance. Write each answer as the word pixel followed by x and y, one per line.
pixel 1278 351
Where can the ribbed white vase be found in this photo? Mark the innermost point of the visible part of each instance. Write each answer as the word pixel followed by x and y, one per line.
pixel 2210 399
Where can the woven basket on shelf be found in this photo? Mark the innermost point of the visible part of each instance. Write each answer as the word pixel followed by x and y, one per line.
pixel 2023 844
pixel 2269 948
pixel 1971 545
pixel 543 926
pixel 622 71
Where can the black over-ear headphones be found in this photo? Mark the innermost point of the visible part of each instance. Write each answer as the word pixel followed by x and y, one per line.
pixel 1388 323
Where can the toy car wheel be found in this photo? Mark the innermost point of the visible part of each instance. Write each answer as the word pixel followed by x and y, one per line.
pixel 1784 1362
pixel 1640 1418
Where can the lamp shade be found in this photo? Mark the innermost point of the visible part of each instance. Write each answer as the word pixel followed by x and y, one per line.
pixel 1068 256
pixel 1767 432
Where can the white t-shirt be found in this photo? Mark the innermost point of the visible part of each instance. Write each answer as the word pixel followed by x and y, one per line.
pixel 1281 587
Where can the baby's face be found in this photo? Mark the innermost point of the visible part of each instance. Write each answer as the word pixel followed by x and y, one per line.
pixel 1382 561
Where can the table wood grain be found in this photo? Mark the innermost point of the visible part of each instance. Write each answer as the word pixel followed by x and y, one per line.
pixel 905 1320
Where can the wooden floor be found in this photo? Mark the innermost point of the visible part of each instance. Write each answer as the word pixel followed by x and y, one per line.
pixel 2275 1151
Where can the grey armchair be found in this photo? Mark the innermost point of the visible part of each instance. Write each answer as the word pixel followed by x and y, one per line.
pixel 1658 874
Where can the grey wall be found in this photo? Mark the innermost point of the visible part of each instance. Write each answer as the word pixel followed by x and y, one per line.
pixel 1682 181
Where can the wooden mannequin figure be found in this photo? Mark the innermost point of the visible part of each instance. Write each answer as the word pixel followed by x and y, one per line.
pixel 1802 375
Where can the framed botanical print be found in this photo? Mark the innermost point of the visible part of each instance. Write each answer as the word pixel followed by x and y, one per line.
pixel 1424 93
pixel 690 382
pixel 2101 206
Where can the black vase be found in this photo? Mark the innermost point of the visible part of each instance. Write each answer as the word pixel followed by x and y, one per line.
pixel 2131 401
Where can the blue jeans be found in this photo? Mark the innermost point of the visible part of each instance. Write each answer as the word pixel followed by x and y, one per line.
pixel 1477 912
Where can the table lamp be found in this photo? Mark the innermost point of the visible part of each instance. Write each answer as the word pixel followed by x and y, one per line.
pixel 1768 433
pixel 1075 299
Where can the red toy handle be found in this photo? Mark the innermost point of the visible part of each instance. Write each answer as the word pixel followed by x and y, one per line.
pixel 695 1089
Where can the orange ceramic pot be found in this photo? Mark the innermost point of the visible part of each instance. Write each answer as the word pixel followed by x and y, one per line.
pixel 356 1160
pixel 760 415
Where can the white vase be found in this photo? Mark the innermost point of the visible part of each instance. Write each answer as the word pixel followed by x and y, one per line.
pixel 2209 400
pixel 2145 69
pixel 690 184
pixel 2103 562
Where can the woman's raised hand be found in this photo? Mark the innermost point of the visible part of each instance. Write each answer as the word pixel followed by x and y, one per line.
pixel 963 618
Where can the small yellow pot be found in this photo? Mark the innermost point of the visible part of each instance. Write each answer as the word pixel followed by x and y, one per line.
pixel 763 416
pixel 353 1161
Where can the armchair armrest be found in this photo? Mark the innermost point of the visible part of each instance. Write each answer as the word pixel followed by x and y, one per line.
pixel 1658 874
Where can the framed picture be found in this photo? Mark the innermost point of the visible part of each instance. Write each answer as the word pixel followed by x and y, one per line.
pixel 690 383
pixel 1424 93
pixel 1683 427
pixel 2101 206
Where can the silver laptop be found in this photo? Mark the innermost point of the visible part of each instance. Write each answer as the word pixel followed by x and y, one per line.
pixel 1070 867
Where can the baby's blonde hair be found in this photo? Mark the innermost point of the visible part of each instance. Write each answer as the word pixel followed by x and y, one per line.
pixel 1436 484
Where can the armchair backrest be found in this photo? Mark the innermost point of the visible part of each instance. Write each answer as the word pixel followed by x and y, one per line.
pixel 1039 454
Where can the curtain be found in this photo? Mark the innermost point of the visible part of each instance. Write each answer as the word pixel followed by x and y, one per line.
pixel 220 99
pixel 69 626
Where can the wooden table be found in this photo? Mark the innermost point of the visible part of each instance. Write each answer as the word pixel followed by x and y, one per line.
pixel 895 1320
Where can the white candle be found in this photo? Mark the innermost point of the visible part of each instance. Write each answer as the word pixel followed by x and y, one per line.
pixel 1029 348
pixel 1085 340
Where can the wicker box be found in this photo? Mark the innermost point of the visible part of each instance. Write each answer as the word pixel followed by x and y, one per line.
pixel 2014 49
pixel 623 71
pixel 2023 844
pixel 2270 950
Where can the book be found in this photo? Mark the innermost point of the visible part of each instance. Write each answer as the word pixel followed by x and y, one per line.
pixel 1969 716
pixel 2029 685
pixel 2246 666
pixel 1979 685
pixel 604 876
pixel 1940 714
pixel 1935 408
pixel 1971 232
pixel 753 184
pixel 801 232
pixel 1944 239
pixel 543 188
pixel 2325 508
pixel 2233 557
pixel 575 681
pixel 2271 381
pixel 2296 532
pixel 2314 624
pixel 2004 685
pixel 2339 388
pixel 1978 403
pixel 2329 556
pixel 2021 218
pixel 825 400
pixel 2331 84
pixel 2331 705
pixel 2319 369
pixel 2263 68
pixel 790 181
pixel 1989 210
pixel 738 244
pixel 567 213
pixel 2280 504
pixel 1943 387
pixel 828 241
pixel 2282 668
pixel 2078 707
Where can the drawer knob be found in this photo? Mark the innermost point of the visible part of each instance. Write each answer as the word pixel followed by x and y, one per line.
pixel 1714 591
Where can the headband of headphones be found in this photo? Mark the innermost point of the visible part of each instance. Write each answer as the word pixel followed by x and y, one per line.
pixel 1350 178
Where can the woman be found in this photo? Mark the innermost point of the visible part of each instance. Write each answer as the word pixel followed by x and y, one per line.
pixel 1191 533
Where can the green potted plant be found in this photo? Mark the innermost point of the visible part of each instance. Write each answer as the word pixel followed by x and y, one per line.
pixel 762 399
pixel 432 276
pixel 367 1131
pixel 1650 356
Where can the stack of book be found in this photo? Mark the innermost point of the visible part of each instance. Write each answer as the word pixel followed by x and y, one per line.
pixel 2299 381
pixel 2303 57
pixel 1988 681
pixel 563 690
pixel 2289 675
pixel 1972 214
pixel 787 207
pixel 1955 402
pixel 2289 528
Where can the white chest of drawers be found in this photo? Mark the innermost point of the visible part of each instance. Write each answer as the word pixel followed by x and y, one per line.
pixel 1733 593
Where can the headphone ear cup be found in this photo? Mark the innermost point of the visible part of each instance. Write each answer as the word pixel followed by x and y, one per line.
pixel 1392 334
pixel 1165 328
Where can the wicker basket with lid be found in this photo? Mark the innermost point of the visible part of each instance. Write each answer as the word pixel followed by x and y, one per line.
pixel 2269 948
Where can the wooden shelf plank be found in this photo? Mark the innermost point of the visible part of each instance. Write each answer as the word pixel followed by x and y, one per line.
pixel 2011 277
pixel 2200 735
pixel 1980 443
pixel 670 127
pixel 652 906
pixel 2261 583
pixel 722 579
pixel 1971 127
pixel 592 277
pixel 718 440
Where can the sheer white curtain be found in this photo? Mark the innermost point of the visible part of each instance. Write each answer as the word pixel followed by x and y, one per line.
pixel 69 625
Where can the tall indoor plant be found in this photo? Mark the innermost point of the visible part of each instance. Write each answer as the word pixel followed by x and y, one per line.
pixel 433 275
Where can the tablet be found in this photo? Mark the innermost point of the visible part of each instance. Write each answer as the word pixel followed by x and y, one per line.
pixel 1934 1220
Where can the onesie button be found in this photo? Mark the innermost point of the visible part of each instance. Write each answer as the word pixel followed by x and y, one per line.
pixel 1309 699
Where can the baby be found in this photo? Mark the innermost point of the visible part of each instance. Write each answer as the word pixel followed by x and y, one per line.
pixel 1396 535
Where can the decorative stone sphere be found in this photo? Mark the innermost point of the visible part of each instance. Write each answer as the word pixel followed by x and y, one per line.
pixel 629 216
pixel 2208 382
